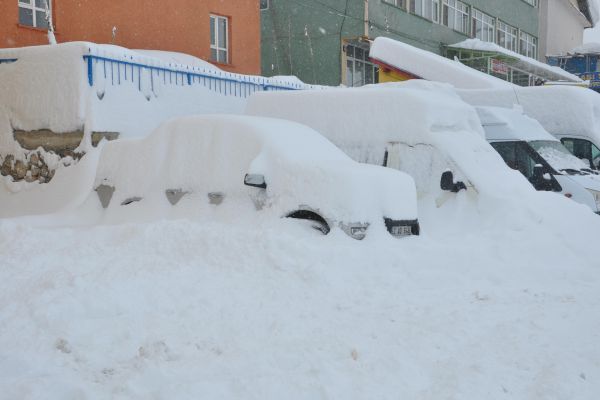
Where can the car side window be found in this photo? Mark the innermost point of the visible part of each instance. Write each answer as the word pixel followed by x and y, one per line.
pixel 582 149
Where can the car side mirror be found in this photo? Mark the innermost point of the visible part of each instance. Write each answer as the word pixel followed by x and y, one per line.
pixel 255 180
pixel 447 183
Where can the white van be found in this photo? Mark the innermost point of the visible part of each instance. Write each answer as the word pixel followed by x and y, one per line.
pixel 525 146
pixel 421 128
pixel 571 114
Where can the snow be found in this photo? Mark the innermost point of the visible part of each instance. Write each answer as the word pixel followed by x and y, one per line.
pixel 497 298
pixel 431 127
pixel 561 110
pixel 587 48
pixel 132 91
pixel 203 154
pixel 493 300
pixel 479 45
pixel 431 66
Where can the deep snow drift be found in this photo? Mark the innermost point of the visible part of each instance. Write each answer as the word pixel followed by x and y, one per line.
pixel 230 307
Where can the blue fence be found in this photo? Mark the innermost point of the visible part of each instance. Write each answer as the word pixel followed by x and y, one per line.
pixel 225 83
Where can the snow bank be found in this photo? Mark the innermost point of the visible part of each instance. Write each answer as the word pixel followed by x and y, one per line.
pixel 107 88
pixel 479 45
pixel 43 88
pixel 561 110
pixel 212 307
pixel 431 66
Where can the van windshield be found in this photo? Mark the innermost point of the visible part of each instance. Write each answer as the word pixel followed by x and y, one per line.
pixel 559 157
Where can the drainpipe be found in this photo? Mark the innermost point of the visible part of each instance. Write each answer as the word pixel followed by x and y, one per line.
pixel 366 18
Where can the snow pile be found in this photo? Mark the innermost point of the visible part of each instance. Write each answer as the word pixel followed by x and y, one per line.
pixel 561 110
pixel 107 88
pixel 479 45
pixel 491 301
pixel 44 88
pixel 587 48
pixel 431 66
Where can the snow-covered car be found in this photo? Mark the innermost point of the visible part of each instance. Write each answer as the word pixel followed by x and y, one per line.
pixel 525 146
pixel 242 164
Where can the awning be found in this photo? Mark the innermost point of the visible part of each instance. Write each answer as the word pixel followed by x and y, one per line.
pixel 472 49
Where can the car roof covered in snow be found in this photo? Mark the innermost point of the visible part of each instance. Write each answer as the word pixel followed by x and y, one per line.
pixel 510 124
pixel 561 110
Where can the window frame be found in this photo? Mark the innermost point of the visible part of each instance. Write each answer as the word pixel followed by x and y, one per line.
pixel 215 33
pixel 505 29
pixel 479 17
pixel 427 9
pixel 460 11
pixel 364 60
pixel 31 5
pixel 531 43
pixel 260 5
pixel 401 4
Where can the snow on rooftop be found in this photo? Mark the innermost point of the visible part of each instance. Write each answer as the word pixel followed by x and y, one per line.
pixel 430 66
pixel 479 45
pixel 587 48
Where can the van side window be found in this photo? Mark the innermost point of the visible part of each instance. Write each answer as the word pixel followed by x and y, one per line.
pixel 516 157
pixel 583 149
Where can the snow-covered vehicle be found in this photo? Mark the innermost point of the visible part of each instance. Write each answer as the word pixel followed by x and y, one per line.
pixel 571 114
pixel 240 164
pixel 418 127
pixel 525 146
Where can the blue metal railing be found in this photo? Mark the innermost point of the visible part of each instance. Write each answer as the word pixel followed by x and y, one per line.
pixel 219 81
pixel 7 60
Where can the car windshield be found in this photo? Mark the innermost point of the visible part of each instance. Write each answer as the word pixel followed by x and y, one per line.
pixel 559 157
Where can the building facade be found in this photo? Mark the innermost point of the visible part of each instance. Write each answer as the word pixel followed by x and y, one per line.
pixel 326 41
pixel 226 33
pixel 562 23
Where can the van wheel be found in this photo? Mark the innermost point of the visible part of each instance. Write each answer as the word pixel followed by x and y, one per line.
pixel 316 221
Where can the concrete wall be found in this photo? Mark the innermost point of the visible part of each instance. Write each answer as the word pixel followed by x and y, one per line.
pixel 174 25
pixel 561 27
pixel 305 38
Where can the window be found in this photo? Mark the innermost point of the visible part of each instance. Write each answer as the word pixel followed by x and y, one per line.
pixel 429 9
pixel 533 3
pixel 33 13
pixel 397 3
pixel 528 45
pixel 264 4
pixel 583 149
pixel 483 26
pixel 507 36
pixel 520 156
pixel 455 15
pixel 359 70
pixel 219 40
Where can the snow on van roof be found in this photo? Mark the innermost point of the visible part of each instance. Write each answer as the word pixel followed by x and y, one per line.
pixel 561 110
pixel 417 114
pixel 430 66
pixel 510 124
pixel 416 106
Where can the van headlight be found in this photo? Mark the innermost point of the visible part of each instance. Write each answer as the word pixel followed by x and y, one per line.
pixel 356 230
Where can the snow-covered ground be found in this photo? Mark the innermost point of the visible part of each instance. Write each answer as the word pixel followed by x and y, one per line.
pixel 483 305
pixel 497 298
